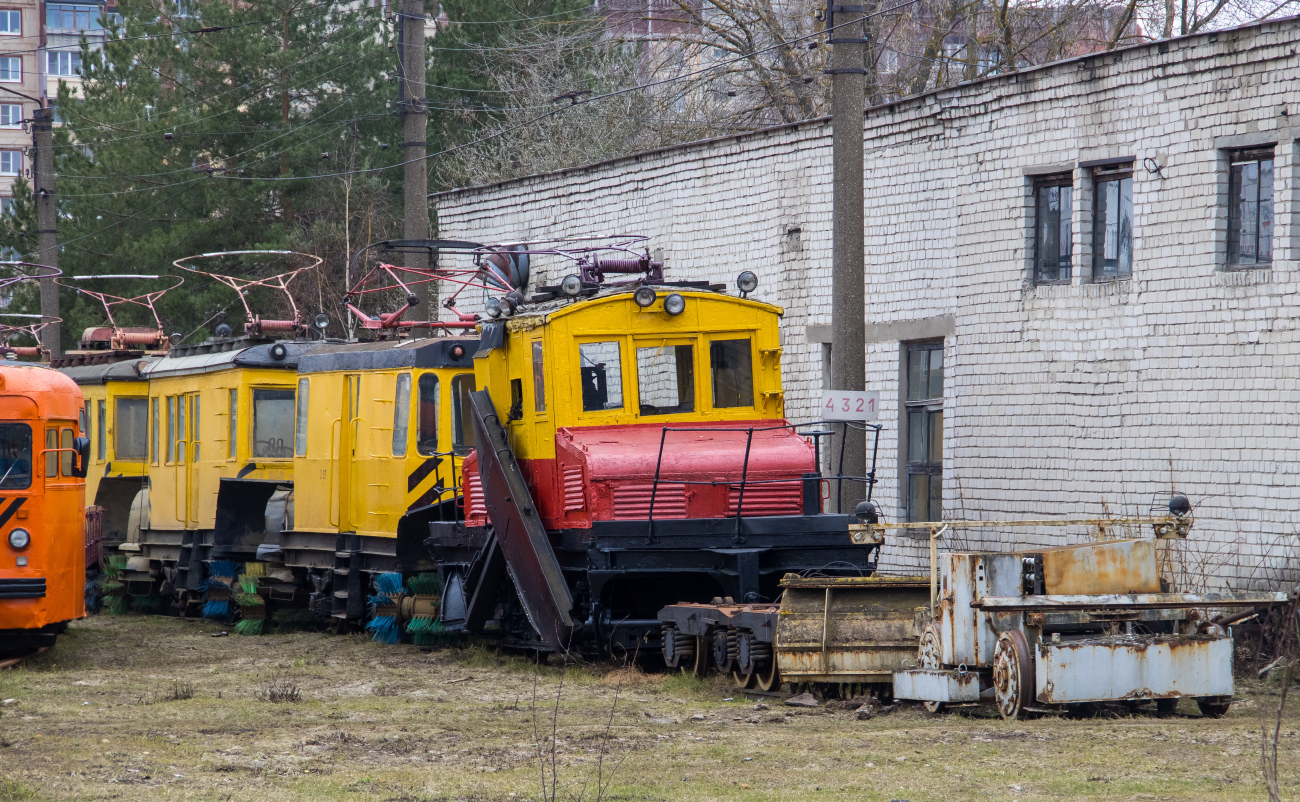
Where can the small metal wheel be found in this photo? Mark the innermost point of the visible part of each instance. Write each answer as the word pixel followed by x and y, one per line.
pixel 768 677
pixel 928 656
pixel 1013 674
pixel 677 647
pixel 724 649
pixel 1214 706
pixel 697 664
pixel 751 654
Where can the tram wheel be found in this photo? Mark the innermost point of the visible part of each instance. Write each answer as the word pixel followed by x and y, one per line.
pixel 697 665
pixel 1013 674
pixel 928 657
pixel 743 681
pixel 768 677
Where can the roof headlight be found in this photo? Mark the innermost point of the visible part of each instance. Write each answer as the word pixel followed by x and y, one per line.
pixel 20 539
pixel 571 286
pixel 493 307
pixel 644 297
pixel 674 304
pixel 747 282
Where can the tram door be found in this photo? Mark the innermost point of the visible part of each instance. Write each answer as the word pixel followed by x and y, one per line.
pixel 186 432
pixel 345 473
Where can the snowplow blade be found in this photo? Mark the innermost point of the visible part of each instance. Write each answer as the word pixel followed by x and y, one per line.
pixel 518 529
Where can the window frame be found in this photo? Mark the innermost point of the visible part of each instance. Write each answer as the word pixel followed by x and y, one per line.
pixel 101 429
pixel 754 396
pixel 462 420
pixel 670 341
pixel 117 428
pixel 18 13
pixel 32 473
pixel 927 406
pixel 169 457
pixel 17 80
pixel 17 156
pixel 1048 182
pixel 302 417
pixel 402 414
pixel 16 124
pixel 1257 156
pixel 1108 174
pixel 619 342
pixel 154 429
pixel 427 376
pixel 252 422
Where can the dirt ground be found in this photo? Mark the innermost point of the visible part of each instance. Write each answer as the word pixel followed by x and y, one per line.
pixel 156 708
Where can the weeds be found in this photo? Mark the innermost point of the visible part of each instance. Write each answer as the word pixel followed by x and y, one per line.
pixel 14 791
pixel 179 691
pixel 278 689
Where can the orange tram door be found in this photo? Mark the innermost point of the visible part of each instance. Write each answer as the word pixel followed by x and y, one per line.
pixel 43 454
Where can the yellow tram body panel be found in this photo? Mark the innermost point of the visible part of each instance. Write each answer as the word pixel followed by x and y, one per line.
pixel 115 419
pixel 215 416
pixel 381 432
pixel 537 370
pixel 43 582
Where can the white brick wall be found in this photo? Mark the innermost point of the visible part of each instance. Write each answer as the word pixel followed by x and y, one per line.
pixel 1058 399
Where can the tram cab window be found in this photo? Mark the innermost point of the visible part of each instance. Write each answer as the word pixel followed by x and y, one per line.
pixel 101 429
pixel 51 452
pixel 401 414
pixel 601 367
pixel 130 428
pixel 666 379
pixel 426 433
pixel 153 431
pixel 232 431
pixel 66 438
pixel 539 377
pixel 273 423
pixel 171 429
pixel 463 436
pixel 15 456
pixel 300 432
pixel 731 363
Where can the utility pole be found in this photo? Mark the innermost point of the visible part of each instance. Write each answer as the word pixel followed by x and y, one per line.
pixel 415 123
pixel 47 252
pixel 848 311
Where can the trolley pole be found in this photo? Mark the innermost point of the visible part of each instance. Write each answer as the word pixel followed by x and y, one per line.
pixel 848 311
pixel 415 123
pixel 47 252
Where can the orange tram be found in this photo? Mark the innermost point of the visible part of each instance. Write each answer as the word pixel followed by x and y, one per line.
pixel 43 536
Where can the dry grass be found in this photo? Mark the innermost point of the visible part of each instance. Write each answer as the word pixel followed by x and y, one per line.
pixel 392 724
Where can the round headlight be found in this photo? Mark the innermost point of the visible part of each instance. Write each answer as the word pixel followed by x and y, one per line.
pixel 493 307
pixel 507 306
pixel 644 297
pixel 747 282
pixel 674 304
pixel 571 286
pixel 20 539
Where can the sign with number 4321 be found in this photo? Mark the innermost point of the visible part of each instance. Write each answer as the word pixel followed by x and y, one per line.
pixel 850 405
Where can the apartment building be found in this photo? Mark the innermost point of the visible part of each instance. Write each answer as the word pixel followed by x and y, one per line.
pixel 40 47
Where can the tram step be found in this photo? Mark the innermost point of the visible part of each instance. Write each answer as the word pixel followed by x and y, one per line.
pixel 344 554
pixel 340 594
pixel 341 571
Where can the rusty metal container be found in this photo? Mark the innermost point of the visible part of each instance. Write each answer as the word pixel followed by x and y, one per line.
pixel 937 685
pixel 967 636
pixel 1106 567
pixel 849 629
pixel 1133 667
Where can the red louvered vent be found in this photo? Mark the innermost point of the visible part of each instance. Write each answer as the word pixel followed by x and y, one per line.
pixel 575 497
pixel 632 502
pixel 775 499
pixel 474 506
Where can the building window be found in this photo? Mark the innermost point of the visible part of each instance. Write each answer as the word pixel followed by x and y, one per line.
pixel 11 23
pixel 6 205
pixel 184 8
pixel 11 70
pixel 11 162
pixel 1250 208
pixel 1053 230
pixel 70 16
pixel 1112 223
pixel 64 63
pixel 923 413
pixel 11 116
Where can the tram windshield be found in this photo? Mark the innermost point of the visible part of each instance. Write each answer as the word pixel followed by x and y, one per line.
pixel 273 419
pixel 15 456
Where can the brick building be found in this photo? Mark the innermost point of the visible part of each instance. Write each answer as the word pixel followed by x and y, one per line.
pixel 1081 284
